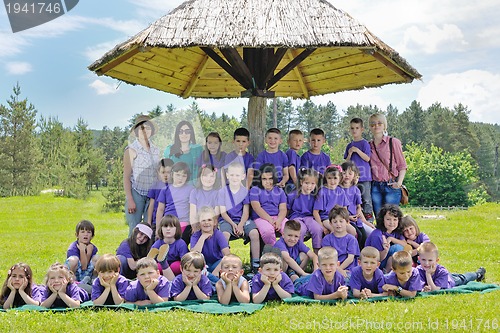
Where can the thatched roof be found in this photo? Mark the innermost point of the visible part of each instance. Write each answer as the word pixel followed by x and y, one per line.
pixel 219 24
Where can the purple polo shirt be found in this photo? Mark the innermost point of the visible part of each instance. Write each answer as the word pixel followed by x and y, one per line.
pixel 414 283
pixel 327 199
pixel 344 245
pixel 279 159
pixel 213 246
pixel 176 200
pixel 293 251
pixel 317 162
pixel 269 200
pixel 319 286
pixel 285 283
pixel 359 282
pixel 300 205
pixel 365 173
pixel 175 251
pixel 178 286
pixel 121 286
pixel 441 277
pixel 135 291
pixel 234 207
pixel 74 251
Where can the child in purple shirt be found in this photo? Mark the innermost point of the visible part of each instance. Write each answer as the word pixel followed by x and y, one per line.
pixel 164 172
pixel 345 244
pixel 60 291
pixel 241 141
pixel 212 154
pixel 82 254
pixel 150 287
pixel 268 202
pixel 191 284
pixel 19 289
pixel 435 276
pixel 274 156
pixel 413 236
pixel 367 280
pixel 325 283
pixel 294 252
pixel 271 283
pixel 315 158
pixel 300 205
pixel 295 142
pixel 134 248
pixel 404 279
pixel 210 241
pixel 109 288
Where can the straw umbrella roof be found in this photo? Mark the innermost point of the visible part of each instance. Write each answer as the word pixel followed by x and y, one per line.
pixel 219 48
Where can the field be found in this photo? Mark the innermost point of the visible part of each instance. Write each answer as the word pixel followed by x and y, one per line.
pixel 38 230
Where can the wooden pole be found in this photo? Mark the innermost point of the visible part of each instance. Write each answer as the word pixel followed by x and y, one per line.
pixel 257 107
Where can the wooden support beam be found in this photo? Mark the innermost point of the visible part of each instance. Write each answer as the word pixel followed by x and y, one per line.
pixel 297 60
pixel 274 62
pixel 390 65
pixel 194 80
pixel 299 76
pixel 103 70
pixel 227 67
pixel 235 60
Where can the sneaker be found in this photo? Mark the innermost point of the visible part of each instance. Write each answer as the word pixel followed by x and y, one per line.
pixel 162 252
pixel 153 253
pixel 481 273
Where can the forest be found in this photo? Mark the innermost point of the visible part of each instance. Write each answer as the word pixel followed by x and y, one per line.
pixel 451 160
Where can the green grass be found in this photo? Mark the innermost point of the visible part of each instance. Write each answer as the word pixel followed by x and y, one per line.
pixel 38 230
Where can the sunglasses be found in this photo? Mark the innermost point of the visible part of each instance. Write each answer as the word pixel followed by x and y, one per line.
pixel 184 131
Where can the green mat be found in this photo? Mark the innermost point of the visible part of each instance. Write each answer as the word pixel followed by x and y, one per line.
pixel 469 288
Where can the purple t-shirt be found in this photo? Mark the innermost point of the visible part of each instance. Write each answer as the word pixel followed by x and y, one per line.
pixel 285 283
pixel 414 283
pixel 121 286
pixel 200 197
pixel 344 245
pixel 359 282
pixel 36 293
pixel 293 159
pixel 442 278
pixel 135 291
pixel 365 172
pixel 422 238
pixel 317 162
pixel 375 238
pixel 178 286
pixel 175 251
pixel 269 200
pixel 327 199
pixel 353 195
pixel 154 193
pixel 293 251
pixel 233 202
pixel 212 159
pixel 300 205
pixel 74 251
pixel 176 200
pixel 279 159
pixel 72 290
pixel 213 246
pixel 124 249
pixel 247 160
pixel 319 286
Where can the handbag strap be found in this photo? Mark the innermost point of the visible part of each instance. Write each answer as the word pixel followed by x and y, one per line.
pixel 389 168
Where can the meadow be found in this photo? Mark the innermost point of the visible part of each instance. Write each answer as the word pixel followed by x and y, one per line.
pixel 37 230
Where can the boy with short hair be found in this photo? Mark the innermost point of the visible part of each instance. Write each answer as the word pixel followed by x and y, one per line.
pixel 435 276
pixel 164 170
pixel 232 286
pixel 325 283
pixel 367 280
pixel 241 141
pixel 314 158
pixel 150 287
pixel 271 283
pixel 295 142
pixel 295 253
pixel 272 154
pixel 403 280
pixel 191 284
pixel 359 152
pixel 82 254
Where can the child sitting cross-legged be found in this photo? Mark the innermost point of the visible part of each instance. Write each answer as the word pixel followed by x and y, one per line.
pixel 294 252
pixel 271 283
pixel 367 280
pixel 232 286
pixel 325 283
pixel 404 279
pixel 435 276
pixel 150 287
pixel 192 284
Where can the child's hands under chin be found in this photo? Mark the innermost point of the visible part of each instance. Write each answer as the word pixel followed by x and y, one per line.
pixel 430 270
pixel 114 279
pixel 277 280
pixel 152 285
pixel 9 284
pixel 265 280
pixel 224 277
pixel 102 282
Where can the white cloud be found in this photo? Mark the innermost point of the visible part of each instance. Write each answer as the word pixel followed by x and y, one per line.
pixel 18 68
pixel 478 90
pixel 103 88
pixel 433 39
pixel 11 44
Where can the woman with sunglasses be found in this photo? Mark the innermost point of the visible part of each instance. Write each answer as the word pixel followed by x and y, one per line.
pixel 185 149
pixel 388 164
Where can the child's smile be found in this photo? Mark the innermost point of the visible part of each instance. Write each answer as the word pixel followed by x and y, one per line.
pixel 410 233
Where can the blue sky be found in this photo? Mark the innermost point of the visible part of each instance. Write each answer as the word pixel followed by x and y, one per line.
pixel 453 44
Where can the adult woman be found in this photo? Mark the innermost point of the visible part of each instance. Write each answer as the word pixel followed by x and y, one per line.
pixel 184 149
pixel 140 162
pixel 388 164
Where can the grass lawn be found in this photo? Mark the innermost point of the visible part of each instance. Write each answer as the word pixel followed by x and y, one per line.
pixel 38 230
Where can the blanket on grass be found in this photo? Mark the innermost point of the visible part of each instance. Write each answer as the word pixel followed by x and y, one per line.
pixel 468 288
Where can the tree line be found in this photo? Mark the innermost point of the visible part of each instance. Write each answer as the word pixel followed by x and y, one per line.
pixel 451 160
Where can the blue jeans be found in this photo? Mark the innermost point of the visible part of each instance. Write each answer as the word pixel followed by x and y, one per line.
pixel 141 213
pixel 384 194
pixel 461 279
pixel 125 269
pixel 393 249
pixel 366 196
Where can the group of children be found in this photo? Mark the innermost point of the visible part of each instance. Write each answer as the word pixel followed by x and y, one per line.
pixel 276 194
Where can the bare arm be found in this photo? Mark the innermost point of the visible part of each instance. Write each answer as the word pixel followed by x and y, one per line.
pixel 128 157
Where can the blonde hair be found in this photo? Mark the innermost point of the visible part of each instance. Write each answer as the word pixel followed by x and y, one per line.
pixel 408 221
pixel 428 247
pixel 370 252
pixel 229 257
pixel 58 267
pixel 379 116
pixel 401 259
pixel 207 210
pixel 146 263
pixel 328 252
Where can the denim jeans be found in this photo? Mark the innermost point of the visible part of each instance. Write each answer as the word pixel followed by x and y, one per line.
pixel 461 279
pixel 393 249
pixel 366 196
pixel 384 194
pixel 141 213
